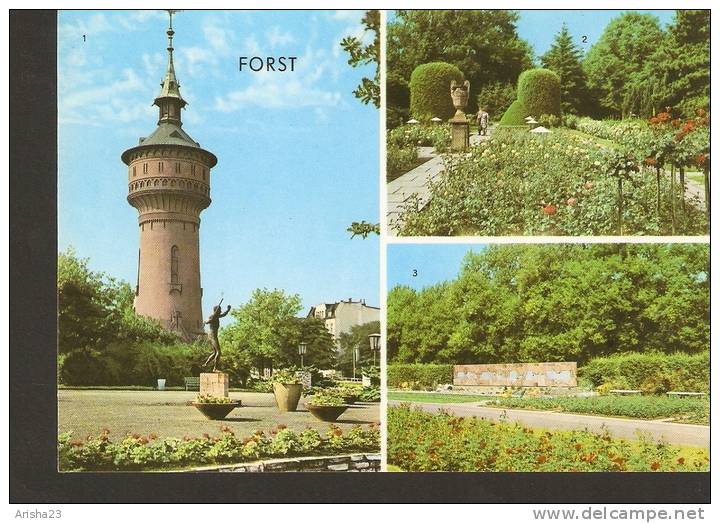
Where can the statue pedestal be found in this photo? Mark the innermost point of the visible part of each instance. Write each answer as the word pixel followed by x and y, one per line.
pixel 214 384
pixel 459 133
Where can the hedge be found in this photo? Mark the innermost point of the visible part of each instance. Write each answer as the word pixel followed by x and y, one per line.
pixel 418 375
pixel 515 114
pixel 430 90
pixel 653 372
pixel 539 91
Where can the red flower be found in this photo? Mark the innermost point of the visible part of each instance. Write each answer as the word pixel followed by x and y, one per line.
pixel 681 461
pixel 676 122
pixel 650 161
pixel 700 160
pixel 550 209
pixel 542 459
pixel 655 465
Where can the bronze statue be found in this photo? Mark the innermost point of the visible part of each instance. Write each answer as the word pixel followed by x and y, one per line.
pixel 214 322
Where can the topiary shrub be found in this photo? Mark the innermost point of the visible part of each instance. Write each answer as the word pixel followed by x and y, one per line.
pixel 430 90
pixel 418 376
pixel 515 115
pixel 539 92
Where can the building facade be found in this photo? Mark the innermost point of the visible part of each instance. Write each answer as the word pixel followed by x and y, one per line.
pixel 341 316
pixel 169 185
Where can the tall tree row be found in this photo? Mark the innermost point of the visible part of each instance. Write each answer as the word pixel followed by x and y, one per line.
pixel 556 303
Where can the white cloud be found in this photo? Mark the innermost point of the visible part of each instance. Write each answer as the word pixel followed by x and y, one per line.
pixel 277 38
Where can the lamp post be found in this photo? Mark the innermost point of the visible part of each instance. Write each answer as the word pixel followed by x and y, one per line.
pixel 356 358
pixel 374 345
pixel 302 350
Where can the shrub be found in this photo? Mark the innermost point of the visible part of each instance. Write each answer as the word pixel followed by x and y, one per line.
pixel 137 452
pixel 495 98
pixel 430 90
pixel 539 92
pixel 515 115
pixel 420 441
pixel 421 375
pixel 641 407
pixel 652 372
pixel 400 159
pixel 549 120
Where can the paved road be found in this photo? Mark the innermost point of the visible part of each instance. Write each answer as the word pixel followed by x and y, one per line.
pixel 675 433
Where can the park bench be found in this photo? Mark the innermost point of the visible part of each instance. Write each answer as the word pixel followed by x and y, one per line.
pixel 192 383
pixel 686 394
pixel 625 392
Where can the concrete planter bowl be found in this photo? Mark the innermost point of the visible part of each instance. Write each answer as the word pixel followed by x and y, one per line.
pixel 287 396
pixel 326 412
pixel 216 410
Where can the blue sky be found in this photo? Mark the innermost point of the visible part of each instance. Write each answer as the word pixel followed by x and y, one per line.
pixel 539 27
pixel 298 154
pixel 434 263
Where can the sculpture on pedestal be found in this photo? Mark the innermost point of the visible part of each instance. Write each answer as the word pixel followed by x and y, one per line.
pixel 214 322
pixel 459 125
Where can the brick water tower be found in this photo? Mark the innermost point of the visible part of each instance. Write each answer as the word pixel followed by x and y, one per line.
pixel 169 185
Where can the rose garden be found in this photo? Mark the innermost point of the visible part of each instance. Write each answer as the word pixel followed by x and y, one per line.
pixel 602 143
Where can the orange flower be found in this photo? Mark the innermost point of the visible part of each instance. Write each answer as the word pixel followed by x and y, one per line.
pixel 550 209
pixel 655 465
pixel 681 461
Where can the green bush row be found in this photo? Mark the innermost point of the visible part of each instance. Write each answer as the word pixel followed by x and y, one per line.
pixel 643 407
pixel 651 372
pixel 418 375
pixel 136 452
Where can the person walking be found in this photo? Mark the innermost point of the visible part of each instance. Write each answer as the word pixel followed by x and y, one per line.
pixel 482 121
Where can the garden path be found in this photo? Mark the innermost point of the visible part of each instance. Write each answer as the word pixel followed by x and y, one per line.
pixel 674 433
pixel 416 182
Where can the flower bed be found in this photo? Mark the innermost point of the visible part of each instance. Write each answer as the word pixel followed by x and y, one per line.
pixel 694 410
pixel 419 441
pixel 136 452
pixel 559 184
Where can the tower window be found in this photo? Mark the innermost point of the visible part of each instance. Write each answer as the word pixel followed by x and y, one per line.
pixel 177 167
pixel 192 169
pixel 145 168
pixel 134 173
pixel 203 173
pixel 174 277
pixel 160 166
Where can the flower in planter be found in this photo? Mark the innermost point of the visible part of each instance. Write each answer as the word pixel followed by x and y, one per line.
pixel 285 377
pixel 207 398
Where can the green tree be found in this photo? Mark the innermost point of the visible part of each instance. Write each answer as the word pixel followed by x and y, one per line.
pixel 516 303
pixel 263 330
pixel 621 51
pixel 357 338
pixel 495 98
pixel 366 53
pixel 565 59
pixel 483 44
pixel 678 72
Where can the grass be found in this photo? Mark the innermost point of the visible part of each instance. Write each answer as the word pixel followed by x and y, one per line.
pixel 431 397
pixel 687 410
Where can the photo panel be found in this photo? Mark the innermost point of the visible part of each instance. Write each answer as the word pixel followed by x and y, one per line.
pixel 218 299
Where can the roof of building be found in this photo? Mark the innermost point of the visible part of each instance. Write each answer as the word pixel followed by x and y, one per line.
pixel 168 133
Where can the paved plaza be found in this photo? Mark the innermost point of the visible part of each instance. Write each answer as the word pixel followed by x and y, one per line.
pixel 167 414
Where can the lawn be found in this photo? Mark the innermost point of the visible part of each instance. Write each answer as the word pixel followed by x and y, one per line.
pixel 419 441
pixel 687 410
pixel 166 414
pixel 430 397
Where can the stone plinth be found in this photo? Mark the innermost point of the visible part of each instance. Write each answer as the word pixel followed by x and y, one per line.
pixel 556 374
pixel 460 133
pixel 214 384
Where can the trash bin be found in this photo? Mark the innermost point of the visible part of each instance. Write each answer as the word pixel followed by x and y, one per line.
pixel 161 384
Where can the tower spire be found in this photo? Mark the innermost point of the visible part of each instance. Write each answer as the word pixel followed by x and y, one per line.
pixel 170 101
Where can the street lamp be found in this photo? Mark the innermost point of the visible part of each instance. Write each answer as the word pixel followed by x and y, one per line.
pixel 374 345
pixel 356 358
pixel 302 350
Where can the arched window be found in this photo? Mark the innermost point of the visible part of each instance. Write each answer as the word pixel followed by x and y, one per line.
pixel 174 278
